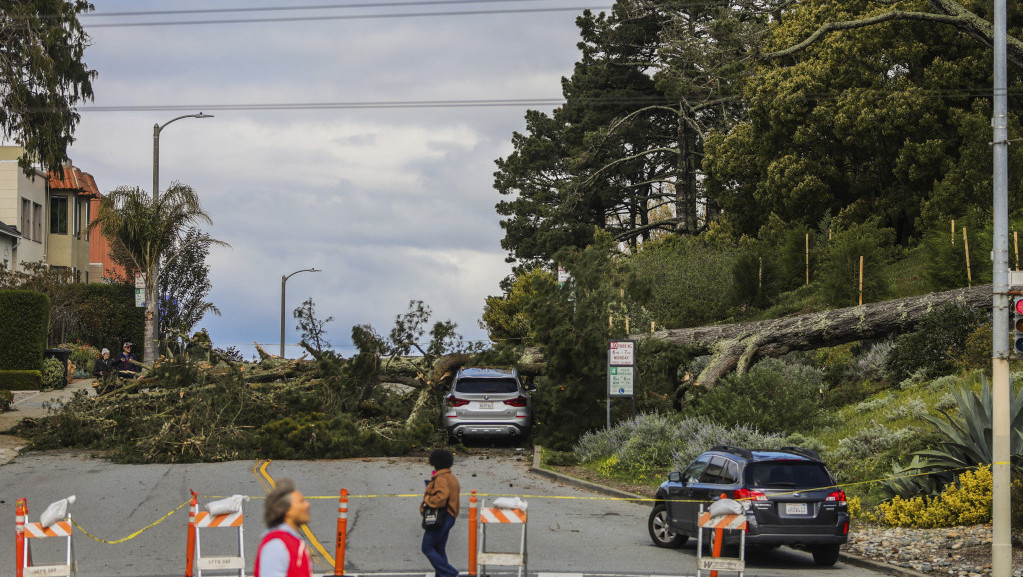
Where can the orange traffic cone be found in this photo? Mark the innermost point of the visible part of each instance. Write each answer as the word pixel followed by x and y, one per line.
pixel 342 534
pixel 193 510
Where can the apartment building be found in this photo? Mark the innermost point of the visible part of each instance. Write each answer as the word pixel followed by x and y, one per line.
pixel 24 205
pixel 45 218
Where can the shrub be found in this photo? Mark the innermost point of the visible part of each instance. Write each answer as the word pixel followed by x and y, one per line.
pixel 967 502
pixel 933 347
pixel 21 380
pixel 316 435
pixel 840 267
pixel 83 356
pixel 54 374
pixel 6 400
pixel 912 409
pixel 877 402
pixel 977 349
pixel 872 364
pixel 559 458
pixel 655 443
pixel 772 396
pixel 687 277
pixel 24 316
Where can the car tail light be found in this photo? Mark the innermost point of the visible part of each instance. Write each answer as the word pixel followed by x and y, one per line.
pixel 838 495
pixel 454 401
pixel 845 528
pixel 519 401
pixel 746 494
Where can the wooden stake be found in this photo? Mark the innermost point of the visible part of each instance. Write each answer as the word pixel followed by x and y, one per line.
pixel 1015 243
pixel 966 246
pixel 652 329
pixel 953 232
pixel 861 280
pixel 610 321
pixel 760 277
pixel 807 258
pixel 626 324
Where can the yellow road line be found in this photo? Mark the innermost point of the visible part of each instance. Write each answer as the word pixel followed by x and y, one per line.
pixel 305 528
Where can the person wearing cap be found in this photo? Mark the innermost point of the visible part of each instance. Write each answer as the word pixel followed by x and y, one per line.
pixel 441 491
pixel 103 366
pixel 126 362
pixel 282 551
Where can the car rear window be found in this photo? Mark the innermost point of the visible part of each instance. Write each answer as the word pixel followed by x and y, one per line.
pixel 793 474
pixel 486 386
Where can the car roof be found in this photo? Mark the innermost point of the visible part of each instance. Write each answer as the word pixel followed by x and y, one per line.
pixel 760 456
pixel 486 372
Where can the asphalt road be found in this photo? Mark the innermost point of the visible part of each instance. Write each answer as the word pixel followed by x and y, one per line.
pixel 579 533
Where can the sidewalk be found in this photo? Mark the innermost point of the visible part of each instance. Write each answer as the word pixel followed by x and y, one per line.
pixel 29 405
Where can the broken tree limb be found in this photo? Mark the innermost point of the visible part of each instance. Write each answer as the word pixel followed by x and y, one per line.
pixel 739 345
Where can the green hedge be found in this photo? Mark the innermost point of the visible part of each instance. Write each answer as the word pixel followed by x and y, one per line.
pixel 24 318
pixel 21 380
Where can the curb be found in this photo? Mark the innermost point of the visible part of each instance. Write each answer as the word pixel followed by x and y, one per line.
pixel 849 558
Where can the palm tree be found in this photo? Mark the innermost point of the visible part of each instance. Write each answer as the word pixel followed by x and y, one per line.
pixel 142 232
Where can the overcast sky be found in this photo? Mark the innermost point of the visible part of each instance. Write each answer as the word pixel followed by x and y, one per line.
pixel 391 204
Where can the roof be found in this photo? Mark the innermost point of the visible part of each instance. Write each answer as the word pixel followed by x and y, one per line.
pixel 484 373
pixel 9 230
pixel 74 180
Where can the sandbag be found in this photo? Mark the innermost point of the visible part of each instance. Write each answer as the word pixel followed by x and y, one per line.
pixel 510 503
pixel 55 511
pixel 723 507
pixel 232 504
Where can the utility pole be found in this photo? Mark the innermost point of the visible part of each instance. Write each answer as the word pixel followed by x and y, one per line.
pixel 284 282
pixel 1001 389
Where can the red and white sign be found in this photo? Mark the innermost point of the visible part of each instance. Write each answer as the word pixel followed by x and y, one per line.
pixel 621 353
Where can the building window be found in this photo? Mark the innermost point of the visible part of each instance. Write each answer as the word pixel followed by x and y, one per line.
pixel 76 210
pixel 58 215
pixel 26 218
pixel 37 222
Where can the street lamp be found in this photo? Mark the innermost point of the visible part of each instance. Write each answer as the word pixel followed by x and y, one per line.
pixel 152 318
pixel 284 280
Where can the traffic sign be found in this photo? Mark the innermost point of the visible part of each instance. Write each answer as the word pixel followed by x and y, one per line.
pixel 621 381
pixel 621 353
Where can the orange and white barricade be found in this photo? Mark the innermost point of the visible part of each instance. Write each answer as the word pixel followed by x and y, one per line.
pixel 204 520
pixel 496 516
pixel 36 531
pixel 719 525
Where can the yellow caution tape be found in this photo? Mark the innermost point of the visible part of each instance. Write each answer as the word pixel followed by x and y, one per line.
pixel 136 533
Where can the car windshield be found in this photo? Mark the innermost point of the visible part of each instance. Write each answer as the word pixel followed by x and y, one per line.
pixel 793 474
pixel 486 386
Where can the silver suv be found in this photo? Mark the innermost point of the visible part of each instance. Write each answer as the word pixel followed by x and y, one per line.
pixel 487 403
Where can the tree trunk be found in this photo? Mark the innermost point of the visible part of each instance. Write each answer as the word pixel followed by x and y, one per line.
pixel 737 346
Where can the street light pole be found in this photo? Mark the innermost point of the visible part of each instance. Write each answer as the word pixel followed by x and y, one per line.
pixel 284 280
pixel 151 348
pixel 1001 388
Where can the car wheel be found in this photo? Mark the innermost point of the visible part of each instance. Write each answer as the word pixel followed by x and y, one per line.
pixel 660 529
pixel 825 555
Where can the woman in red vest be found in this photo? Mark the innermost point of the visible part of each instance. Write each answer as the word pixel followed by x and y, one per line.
pixel 282 552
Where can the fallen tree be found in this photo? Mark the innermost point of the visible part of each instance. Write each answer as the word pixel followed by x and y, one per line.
pixel 737 346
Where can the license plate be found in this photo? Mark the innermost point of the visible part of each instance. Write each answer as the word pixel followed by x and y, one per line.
pixel 795 508
pixel 486 405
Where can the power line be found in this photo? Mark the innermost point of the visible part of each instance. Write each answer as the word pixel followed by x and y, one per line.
pixel 294 8
pixel 344 17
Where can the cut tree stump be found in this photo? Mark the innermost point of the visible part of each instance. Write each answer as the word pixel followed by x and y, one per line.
pixel 737 346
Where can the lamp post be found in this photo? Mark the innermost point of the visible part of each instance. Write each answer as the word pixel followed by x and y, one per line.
pixel 284 280
pixel 150 351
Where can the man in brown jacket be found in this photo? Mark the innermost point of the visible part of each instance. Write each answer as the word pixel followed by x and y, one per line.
pixel 441 491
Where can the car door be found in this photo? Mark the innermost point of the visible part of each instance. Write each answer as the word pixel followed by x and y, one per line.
pixel 713 482
pixel 680 508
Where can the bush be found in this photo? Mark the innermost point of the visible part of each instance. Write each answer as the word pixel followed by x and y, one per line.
pixel 967 502
pixel 559 458
pixel 54 374
pixel 936 343
pixel 652 444
pixel 83 357
pixel 24 316
pixel 6 400
pixel 772 396
pixel 840 269
pixel 21 380
pixel 315 435
pixel 689 277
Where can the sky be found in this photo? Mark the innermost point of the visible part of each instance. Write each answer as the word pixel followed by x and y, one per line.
pixel 392 204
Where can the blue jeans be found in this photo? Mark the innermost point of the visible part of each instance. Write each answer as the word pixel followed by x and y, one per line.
pixel 434 543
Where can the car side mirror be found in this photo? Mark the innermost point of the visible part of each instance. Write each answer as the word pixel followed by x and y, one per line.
pixel 675 477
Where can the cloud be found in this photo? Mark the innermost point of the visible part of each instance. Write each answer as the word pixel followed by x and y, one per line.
pixel 392 204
